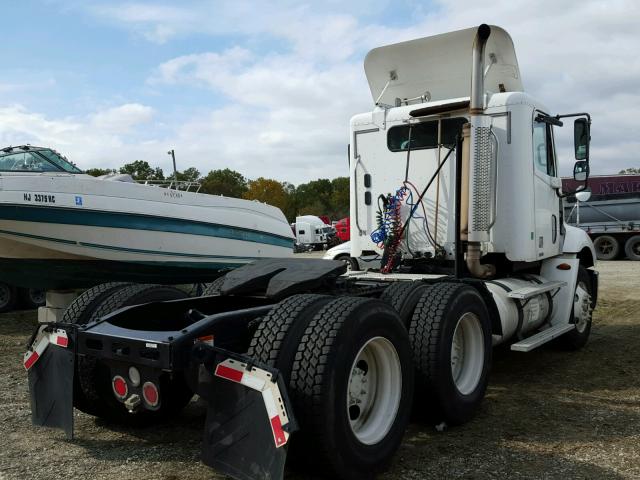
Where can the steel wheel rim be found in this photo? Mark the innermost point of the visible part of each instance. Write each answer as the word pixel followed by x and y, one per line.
pixel 467 353
pixel 5 295
pixel 374 390
pixel 581 307
pixel 606 247
pixel 346 261
pixel 37 296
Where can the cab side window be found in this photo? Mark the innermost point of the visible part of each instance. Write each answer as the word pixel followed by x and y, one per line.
pixel 543 150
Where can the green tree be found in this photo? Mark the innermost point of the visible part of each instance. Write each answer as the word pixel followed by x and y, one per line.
pixel 96 172
pixel 141 170
pixel 224 182
pixel 316 194
pixel 630 170
pixel 292 208
pixel 268 191
pixel 316 208
pixel 189 175
pixel 339 198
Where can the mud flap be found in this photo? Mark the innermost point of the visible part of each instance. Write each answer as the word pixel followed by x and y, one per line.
pixel 238 438
pixel 51 389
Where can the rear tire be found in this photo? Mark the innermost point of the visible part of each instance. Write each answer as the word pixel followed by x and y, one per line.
pixel 632 248
pixel 8 297
pixel 79 312
pixel 451 339
pixel 276 339
pixel 214 287
pixel 95 377
pixel 403 297
pixel 351 263
pixel 32 298
pixel 607 247
pixel 352 387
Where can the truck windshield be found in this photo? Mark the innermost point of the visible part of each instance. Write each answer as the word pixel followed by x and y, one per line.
pixel 40 160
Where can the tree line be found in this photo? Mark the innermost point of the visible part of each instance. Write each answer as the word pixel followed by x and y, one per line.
pixel 317 197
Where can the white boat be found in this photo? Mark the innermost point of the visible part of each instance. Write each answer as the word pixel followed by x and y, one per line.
pixel 61 228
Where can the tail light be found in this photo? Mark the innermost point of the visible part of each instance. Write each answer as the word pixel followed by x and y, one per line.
pixel 150 394
pixel 120 387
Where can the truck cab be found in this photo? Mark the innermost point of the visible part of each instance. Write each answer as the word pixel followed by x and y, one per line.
pixel 513 195
pixel 311 230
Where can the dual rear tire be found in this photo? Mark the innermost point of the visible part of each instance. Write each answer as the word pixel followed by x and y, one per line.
pixel 347 365
pixel 450 333
pixel 609 247
pixel 350 363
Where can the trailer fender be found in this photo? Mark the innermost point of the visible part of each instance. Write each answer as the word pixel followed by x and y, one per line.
pixel 49 361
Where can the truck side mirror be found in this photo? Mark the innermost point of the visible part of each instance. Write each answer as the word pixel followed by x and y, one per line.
pixel 581 137
pixel 581 171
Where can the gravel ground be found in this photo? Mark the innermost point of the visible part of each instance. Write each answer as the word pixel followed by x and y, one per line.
pixel 548 414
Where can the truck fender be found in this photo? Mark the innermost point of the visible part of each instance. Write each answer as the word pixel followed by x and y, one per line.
pixel 494 314
pixel 577 241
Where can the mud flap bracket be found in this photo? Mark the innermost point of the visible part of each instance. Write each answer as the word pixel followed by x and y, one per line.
pixel 248 421
pixel 50 365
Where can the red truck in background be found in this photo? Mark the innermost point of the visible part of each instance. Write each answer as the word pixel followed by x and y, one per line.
pixel 343 229
pixel 610 215
pixel 325 219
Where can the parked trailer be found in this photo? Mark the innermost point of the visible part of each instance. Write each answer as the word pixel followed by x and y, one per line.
pixel 12 297
pixel 610 214
pixel 459 197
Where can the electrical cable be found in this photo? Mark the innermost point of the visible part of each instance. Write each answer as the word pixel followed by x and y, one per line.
pixel 406 171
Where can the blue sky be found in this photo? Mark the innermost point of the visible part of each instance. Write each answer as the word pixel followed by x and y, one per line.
pixel 267 88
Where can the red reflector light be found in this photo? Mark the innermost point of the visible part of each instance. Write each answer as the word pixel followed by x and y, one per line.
pixel 120 388
pixel 150 394
pixel 564 266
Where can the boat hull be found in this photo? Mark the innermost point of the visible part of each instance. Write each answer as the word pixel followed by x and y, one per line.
pixel 84 239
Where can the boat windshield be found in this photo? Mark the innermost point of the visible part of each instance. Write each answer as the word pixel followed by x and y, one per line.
pixel 40 160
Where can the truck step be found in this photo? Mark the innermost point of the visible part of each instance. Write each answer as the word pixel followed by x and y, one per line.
pixel 533 290
pixel 541 338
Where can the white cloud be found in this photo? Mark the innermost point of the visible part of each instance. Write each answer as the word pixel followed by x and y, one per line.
pixel 296 103
pixel 123 118
pixel 157 23
pixel 101 139
pixel 292 77
pixel 210 69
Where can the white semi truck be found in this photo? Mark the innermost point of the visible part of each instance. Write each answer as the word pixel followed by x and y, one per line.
pixel 454 186
pixel 313 232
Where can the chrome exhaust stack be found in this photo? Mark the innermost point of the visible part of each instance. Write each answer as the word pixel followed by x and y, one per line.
pixel 480 162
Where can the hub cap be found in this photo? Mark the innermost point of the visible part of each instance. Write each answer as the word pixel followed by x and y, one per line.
pixel 581 307
pixel 605 247
pixel 467 353
pixel 346 261
pixel 375 390
pixel 37 296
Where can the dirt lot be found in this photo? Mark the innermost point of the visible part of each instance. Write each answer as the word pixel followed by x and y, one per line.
pixel 548 414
